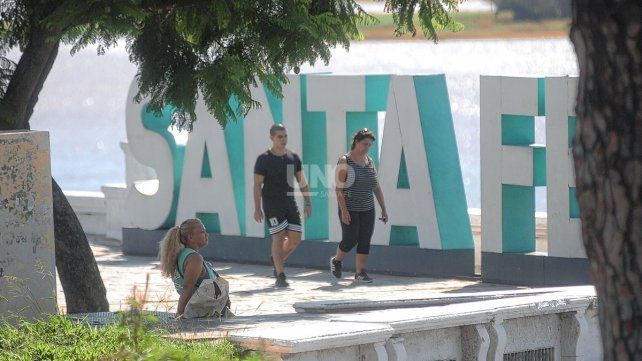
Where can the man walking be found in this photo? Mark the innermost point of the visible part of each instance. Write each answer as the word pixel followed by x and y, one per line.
pixel 274 185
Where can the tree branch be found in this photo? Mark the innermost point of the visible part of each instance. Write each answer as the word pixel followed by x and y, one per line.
pixel 28 78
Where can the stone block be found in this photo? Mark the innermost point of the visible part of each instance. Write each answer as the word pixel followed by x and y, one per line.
pixel 27 254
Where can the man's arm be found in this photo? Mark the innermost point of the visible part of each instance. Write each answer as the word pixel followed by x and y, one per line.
pixel 305 189
pixel 258 184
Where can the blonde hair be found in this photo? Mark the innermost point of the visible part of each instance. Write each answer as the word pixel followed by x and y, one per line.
pixel 172 244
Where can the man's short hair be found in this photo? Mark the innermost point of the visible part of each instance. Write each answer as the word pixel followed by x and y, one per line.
pixel 276 127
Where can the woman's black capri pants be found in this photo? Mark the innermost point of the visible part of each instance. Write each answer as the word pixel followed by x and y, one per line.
pixel 358 232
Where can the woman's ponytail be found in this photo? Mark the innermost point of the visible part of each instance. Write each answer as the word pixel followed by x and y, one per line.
pixel 174 241
pixel 170 246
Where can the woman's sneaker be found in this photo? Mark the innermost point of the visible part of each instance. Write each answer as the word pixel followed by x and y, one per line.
pixel 281 281
pixel 335 267
pixel 362 278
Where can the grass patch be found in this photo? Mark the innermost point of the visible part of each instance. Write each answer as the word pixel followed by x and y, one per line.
pixel 59 338
pixel 477 25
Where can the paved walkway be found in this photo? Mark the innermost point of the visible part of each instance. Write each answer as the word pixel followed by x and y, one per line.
pixel 252 290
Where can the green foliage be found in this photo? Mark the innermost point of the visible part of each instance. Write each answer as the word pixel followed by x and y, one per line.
pixel 14 24
pixel 433 15
pixel 6 70
pixel 192 49
pixel 59 338
pixel 535 9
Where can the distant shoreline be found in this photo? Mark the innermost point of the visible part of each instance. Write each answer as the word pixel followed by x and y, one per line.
pixel 372 36
pixel 477 25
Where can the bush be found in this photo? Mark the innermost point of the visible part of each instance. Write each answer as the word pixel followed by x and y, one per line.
pixel 535 9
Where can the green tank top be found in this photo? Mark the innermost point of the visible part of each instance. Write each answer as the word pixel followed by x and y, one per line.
pixel 180 270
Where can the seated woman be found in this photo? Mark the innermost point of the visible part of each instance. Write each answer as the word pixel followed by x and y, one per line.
pixel 180 260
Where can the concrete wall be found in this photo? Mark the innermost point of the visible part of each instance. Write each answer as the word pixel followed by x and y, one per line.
pixel 101 213
pixel 399 260
pixel 27 264
pixel 357 352
pixel 441 344
pixel 558 326
pixel 90 210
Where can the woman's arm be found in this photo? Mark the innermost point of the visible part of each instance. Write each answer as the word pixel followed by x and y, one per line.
pixel 379 194
pixel 341 174
pixel 193 270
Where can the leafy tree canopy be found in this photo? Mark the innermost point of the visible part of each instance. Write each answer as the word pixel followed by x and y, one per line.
pixel 189 48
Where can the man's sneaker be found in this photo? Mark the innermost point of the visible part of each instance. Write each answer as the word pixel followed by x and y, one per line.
pixel 281 281
pixel 362 278
pixel 335 267
pixel 273 266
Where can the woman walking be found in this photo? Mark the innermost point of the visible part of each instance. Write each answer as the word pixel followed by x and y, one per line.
pixel 356 179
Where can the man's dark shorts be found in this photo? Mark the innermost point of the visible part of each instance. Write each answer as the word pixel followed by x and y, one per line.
pixel 282 217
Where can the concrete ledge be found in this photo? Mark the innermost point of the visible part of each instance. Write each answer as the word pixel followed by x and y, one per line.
pixel 398 260
pixel 311 336
pixel 441 299
pixel 115 218
pixel 563 319
pixel 516 325
pixel 86 201
pixel 534 269
pixel 430 318
pixel 90 210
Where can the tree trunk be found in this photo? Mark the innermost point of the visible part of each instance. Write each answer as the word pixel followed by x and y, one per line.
pixel 27 79
pixel 607 36
pixel 83 287
pixel 77 269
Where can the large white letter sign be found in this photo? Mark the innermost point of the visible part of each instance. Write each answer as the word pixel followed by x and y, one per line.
pixel 419 168
pixel 511 164
pixel 154 146
pixel 291 113
pixel 413 206
pixel 206 187
pixel 564 229
pixel 335 95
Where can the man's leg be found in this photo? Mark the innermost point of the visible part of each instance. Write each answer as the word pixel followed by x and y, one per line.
pixel 293 231
pixel 278 241
pixel 278 223
pixel 291 243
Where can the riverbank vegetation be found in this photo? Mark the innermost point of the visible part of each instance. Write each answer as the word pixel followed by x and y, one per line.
pixel 476 25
